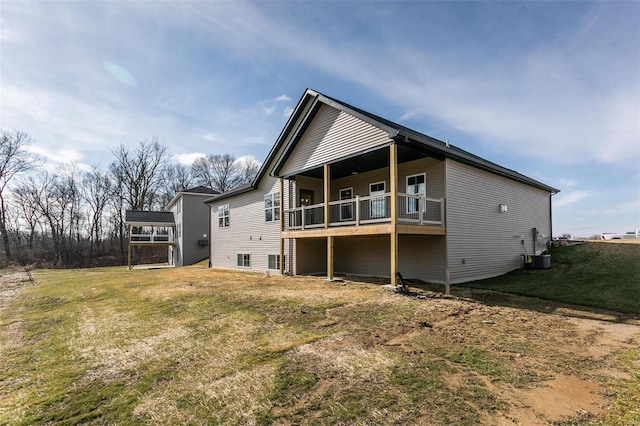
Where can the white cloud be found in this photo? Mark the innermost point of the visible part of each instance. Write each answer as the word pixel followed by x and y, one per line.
pixel 287 111
pixel 283 98
pixel 188 159
pixel 247 159
pixel 54 159
pixel 571 198
pixel 541 103
pixel 567 183
pixel 211 137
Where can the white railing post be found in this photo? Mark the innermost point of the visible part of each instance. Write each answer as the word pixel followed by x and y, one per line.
pixel 423 206
pixel 442 211
pixel 302 218
pixel 357 210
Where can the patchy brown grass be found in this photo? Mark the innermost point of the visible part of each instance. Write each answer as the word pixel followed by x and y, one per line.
pixel 199 346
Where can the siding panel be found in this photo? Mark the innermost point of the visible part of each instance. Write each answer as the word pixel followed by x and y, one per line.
pixel 248 232
pixel 332 134
pixel 422 257
pixel 362 255
pixel 482 242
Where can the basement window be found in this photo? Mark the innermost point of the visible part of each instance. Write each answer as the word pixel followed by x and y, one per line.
pixel 244 260
pixel 274 261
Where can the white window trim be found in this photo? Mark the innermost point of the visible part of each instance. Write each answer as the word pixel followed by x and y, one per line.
pixel 406 189
pixel 221 210
pixel 277 259
pixel 346 204
pixel 375 202
pixel 274 217
pixel 243 265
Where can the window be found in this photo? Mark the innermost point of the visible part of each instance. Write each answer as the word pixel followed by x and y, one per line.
pixel 377 205
pixel 346 209
pixel 223 216
pixel 272 207
pixel 179 231
pixel 416 185
pixel 274 261
pixel 244 260
pixel 179 206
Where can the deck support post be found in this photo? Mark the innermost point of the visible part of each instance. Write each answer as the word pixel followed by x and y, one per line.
pixel 330 258
pixel 393 187
pixel 129 247
pixel 281 219
pixel 327 193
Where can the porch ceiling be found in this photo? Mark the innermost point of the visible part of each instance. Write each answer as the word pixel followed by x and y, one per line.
pixel 365 162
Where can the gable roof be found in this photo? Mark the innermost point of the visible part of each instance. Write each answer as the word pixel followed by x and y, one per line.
pixel 197 190
pixel 400 134
pixel 201 190
pixel 147 217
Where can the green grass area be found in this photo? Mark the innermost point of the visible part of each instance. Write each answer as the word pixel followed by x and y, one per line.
pixel 599 275
pixel 199 346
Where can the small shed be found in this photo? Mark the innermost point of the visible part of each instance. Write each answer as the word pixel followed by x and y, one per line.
pixel 149 228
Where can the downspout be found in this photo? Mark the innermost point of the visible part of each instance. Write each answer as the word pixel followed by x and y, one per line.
pixel 210 236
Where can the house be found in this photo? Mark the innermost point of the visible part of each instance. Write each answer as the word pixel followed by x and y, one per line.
pixel 183 227
pixel 192 225
pixel 343 191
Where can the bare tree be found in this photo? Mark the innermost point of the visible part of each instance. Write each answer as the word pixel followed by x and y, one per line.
pixel 247 170
pixel 177 178
pixel 14 159
pixel 25 199
pixel 96 191
pixel 223 172
pixel 140 170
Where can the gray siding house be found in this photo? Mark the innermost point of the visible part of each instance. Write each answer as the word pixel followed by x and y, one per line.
pixel 183 227
pixel 344 191
pixel 191 216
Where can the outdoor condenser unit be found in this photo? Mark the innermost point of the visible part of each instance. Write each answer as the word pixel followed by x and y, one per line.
pixel 542 261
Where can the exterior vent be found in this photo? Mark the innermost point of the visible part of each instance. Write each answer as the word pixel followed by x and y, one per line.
pixel 203 242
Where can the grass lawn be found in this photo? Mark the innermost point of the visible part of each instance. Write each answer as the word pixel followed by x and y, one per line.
pixel 597 274
pixel 199 346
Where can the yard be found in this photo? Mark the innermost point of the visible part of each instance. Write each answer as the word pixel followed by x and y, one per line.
pixel 199 346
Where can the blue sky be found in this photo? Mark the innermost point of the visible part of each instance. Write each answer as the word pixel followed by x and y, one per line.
pixel 550 89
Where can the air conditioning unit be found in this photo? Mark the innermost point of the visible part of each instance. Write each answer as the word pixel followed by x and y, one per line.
pixel 542 261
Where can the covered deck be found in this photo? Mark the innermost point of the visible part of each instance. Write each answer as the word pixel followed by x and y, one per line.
pixel 392 191
pixel 149 228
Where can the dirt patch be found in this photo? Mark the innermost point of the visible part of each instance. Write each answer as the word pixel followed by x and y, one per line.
pixel 564 396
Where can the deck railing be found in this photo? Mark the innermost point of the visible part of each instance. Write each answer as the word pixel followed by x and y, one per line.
pixel 151 238
pixel 420 210
pixel 304 217
pixel 412 209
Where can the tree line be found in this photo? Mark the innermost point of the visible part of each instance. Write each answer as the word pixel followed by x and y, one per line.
pixel 75 218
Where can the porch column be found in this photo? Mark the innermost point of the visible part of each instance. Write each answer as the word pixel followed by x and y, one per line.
pixel 281 219
pixel 327 191
pixel 129 248
pixel 330 258
pixel 393 188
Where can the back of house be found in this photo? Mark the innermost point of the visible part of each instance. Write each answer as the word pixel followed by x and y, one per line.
pixel 344 191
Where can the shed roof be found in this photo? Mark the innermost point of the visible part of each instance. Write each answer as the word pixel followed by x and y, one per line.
pixel 148 217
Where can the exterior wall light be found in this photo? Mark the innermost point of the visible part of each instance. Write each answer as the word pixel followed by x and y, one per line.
pixel 503 208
